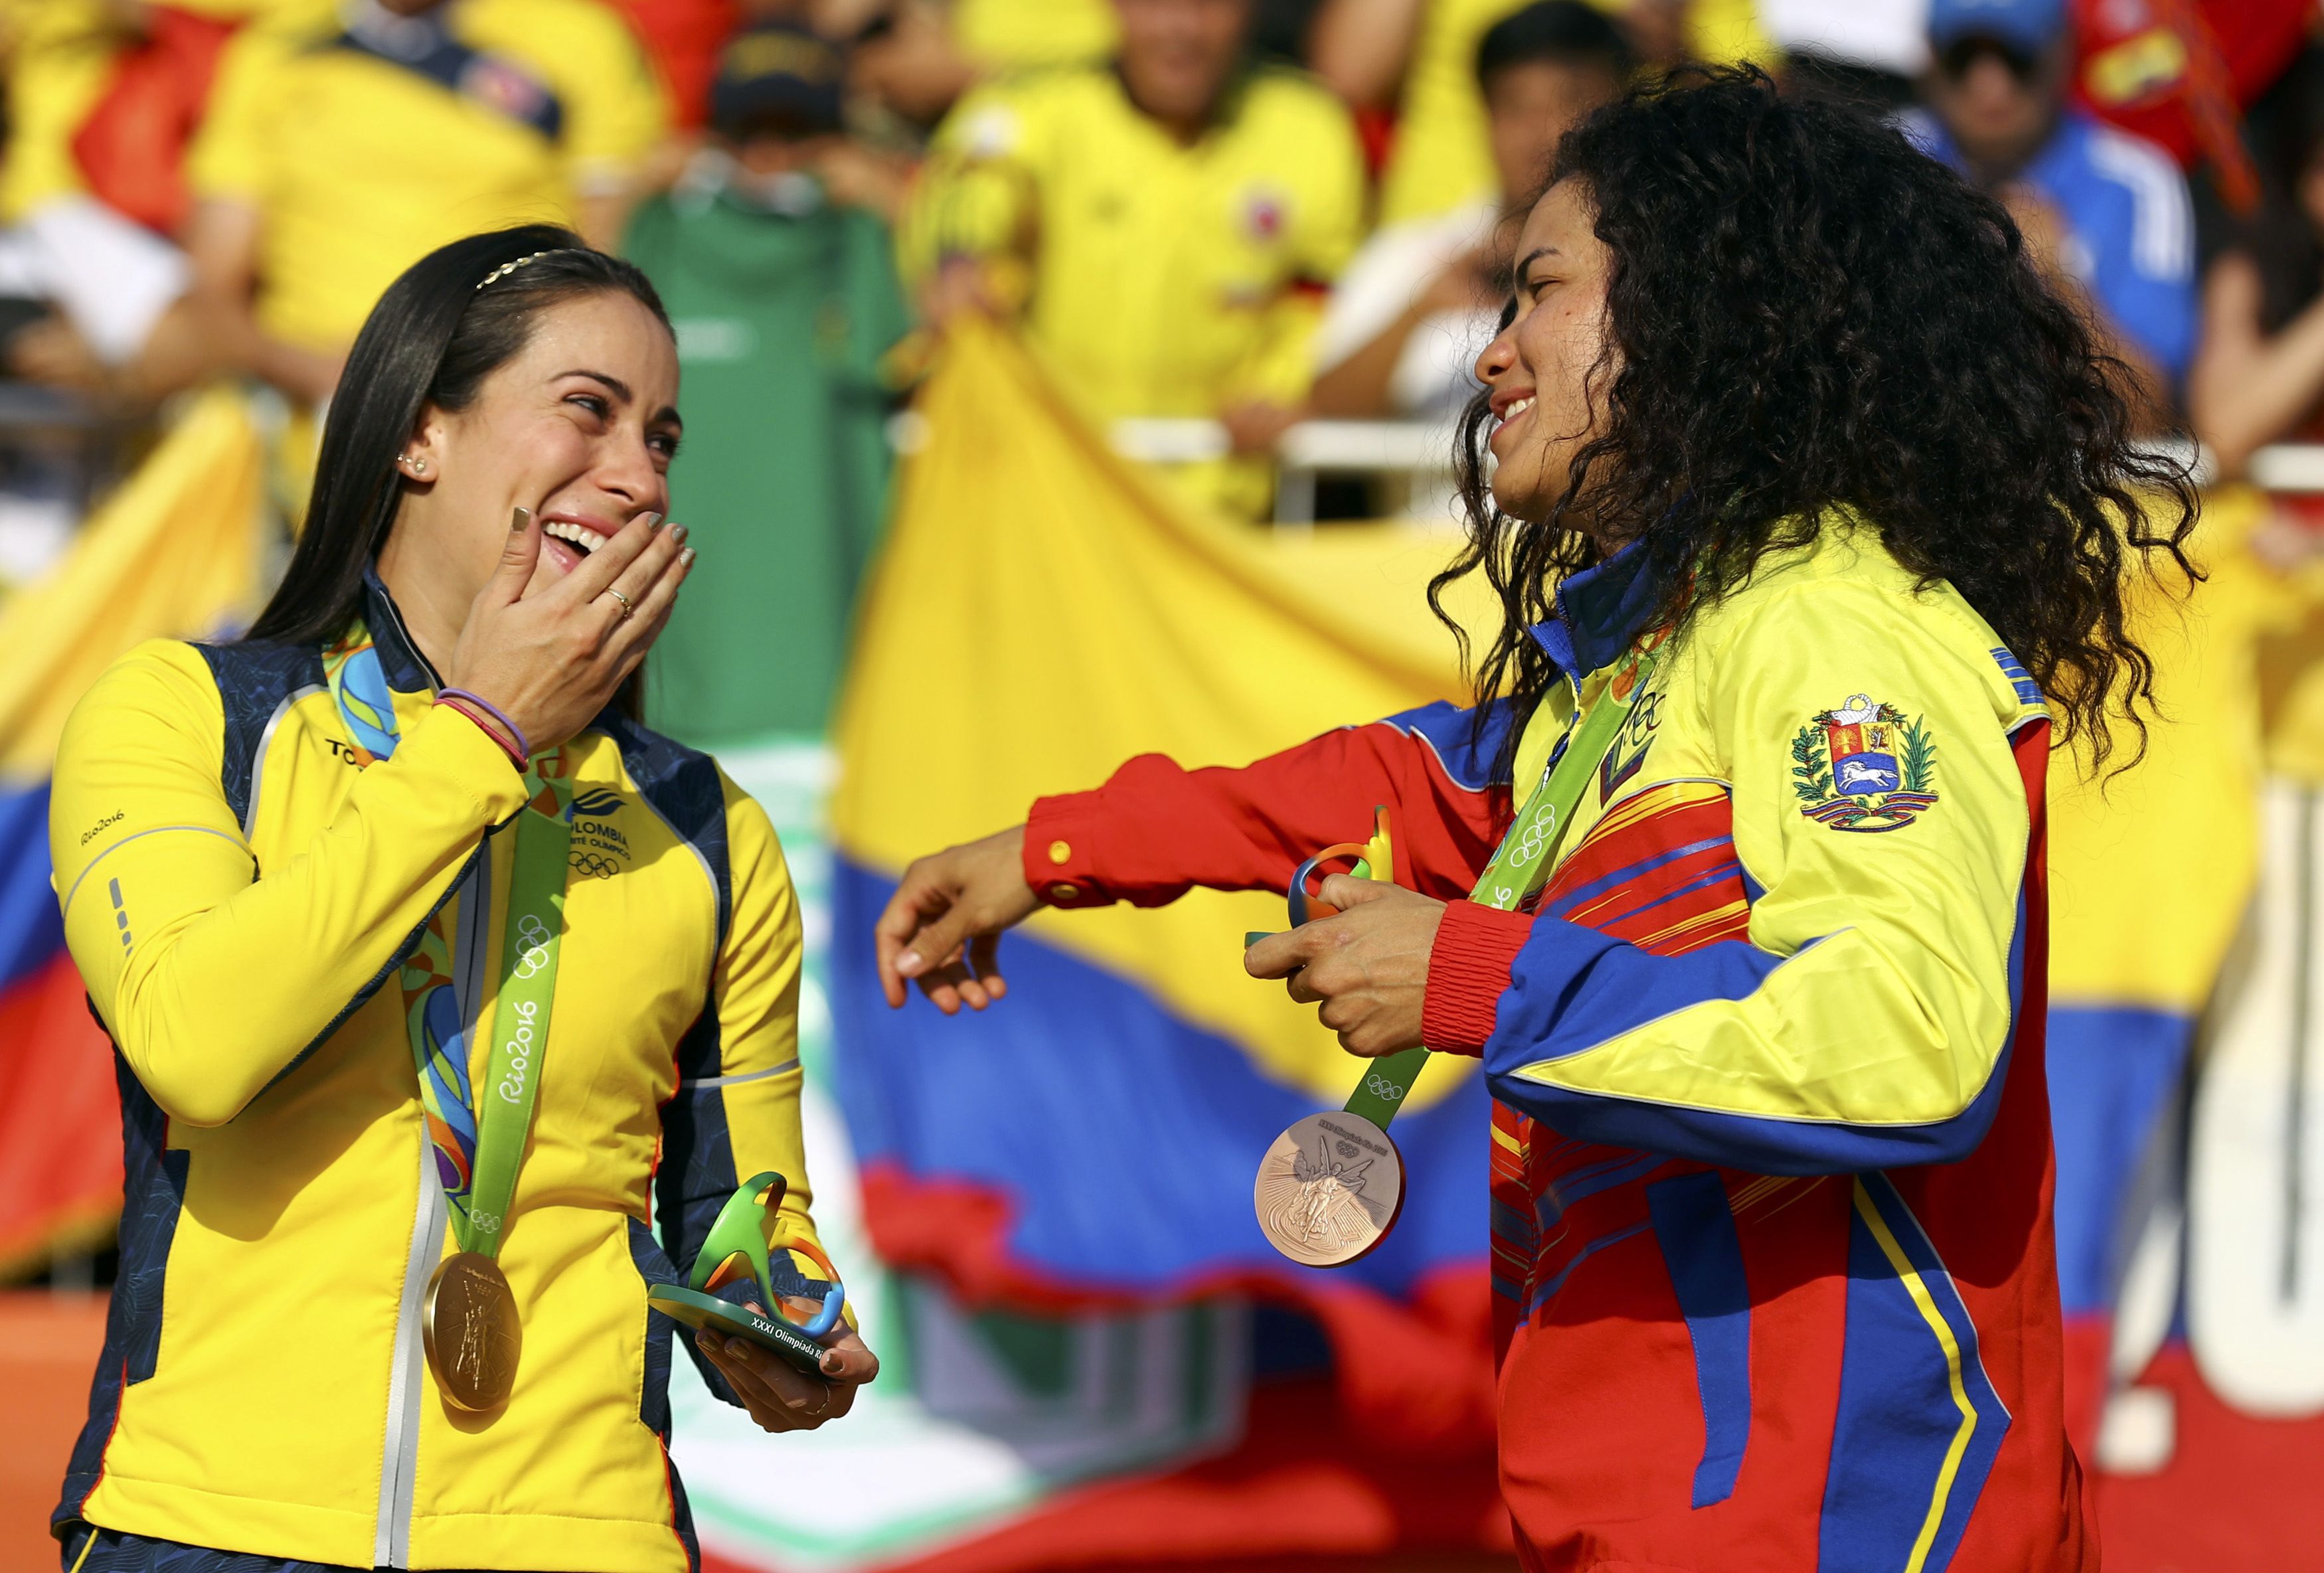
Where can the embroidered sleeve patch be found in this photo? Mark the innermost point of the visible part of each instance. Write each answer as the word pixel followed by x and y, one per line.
pixel 1864 767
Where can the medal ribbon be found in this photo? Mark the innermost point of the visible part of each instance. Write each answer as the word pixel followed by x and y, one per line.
pixel 1521 864
pixel 478 1129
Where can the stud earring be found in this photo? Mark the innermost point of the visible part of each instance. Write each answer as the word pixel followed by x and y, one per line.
pixel 418 465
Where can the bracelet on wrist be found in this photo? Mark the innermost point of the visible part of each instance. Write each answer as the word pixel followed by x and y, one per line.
pixel 485 723
pixel 524 744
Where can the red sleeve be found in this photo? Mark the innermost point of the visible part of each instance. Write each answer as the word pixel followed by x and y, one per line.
pixel 1157 829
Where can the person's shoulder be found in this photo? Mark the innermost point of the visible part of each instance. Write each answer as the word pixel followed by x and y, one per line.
pixel 279 37
pixel 998 118
pixel 170 684
pixel 1844 563
pixel 590 20
pixel 1036 88
pixel 2121 191
pixel 2091 152
pixel 1296 100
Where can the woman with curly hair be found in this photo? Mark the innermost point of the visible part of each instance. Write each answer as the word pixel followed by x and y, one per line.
pixel 1808 513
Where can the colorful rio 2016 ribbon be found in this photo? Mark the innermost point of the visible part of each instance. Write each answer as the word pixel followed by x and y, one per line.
pixel 477 1134
pixel 1331 1188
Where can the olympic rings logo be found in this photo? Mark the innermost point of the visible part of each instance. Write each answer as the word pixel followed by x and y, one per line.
pixel 534 935
pixel 1533 839
pixel 1382 1087
pixel 595 865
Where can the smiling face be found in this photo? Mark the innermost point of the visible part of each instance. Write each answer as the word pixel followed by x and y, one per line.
pixel 579 426
pixel 1541 371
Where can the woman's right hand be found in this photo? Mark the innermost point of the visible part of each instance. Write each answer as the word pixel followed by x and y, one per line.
pixel 551 661
pixel 942 928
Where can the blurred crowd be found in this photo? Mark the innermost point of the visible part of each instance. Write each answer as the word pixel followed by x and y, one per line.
pixel 1247 213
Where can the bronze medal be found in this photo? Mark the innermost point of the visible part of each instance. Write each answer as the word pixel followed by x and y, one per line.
pixel 1329 1189
pixel 472 1333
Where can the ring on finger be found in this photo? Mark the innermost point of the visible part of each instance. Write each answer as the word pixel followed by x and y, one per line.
pixel 626 607
pixel 823 1408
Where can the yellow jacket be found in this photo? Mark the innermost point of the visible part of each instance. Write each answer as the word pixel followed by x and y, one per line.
pixel 1166 281
pixel 237 894
pixel 360 160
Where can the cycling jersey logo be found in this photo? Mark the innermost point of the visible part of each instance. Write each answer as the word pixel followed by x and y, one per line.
pixel 600 849
pixel 1864 767
pixel 596 803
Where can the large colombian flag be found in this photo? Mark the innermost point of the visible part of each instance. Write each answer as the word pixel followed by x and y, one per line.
pixel 174 552
pixel 1044 612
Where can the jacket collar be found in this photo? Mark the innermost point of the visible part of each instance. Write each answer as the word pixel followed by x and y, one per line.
pixel 1599 610
pixel 407 671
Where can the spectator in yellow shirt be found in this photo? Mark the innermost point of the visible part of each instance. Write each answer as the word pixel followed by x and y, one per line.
pixel 1164 224
pixel 345 141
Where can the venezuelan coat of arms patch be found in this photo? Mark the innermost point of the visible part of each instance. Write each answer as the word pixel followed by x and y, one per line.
pixel 1864 767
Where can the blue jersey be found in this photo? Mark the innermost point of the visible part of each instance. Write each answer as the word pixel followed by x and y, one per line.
pixel 2130 228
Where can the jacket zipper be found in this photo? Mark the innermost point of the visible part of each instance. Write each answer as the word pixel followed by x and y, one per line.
pixel 399 1456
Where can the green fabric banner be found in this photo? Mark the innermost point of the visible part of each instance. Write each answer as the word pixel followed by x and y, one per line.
pixel 782 323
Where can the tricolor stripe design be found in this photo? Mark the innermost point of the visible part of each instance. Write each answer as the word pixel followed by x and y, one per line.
pixel 1919 1421
pixel 1659 871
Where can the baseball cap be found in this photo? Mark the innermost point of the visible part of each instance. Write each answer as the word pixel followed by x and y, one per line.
pixel 780 77
pixel 2029 25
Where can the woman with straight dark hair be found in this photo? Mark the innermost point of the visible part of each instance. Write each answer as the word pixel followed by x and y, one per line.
pixel 1808 515
pixel 433 978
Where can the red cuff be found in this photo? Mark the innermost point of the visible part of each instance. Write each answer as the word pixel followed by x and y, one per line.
pixel 1061 837
pixel 1467 974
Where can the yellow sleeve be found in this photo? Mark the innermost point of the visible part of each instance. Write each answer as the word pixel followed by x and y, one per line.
pixel 1865 1022
pixel 1330 226
pixel 616 111
pixel 228 160
pixel 215 977
pixel 736 1112
pixel 977 194
pixel 1333 224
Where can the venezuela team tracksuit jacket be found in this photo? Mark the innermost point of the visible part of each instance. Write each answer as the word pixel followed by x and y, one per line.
pixel 1771 1237
pixel 238 893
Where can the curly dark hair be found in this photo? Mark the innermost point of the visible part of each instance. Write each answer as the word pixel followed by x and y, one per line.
pixel 1812 316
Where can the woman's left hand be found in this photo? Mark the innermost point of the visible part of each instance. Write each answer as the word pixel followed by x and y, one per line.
pixel 1368 968
pixel 779 1396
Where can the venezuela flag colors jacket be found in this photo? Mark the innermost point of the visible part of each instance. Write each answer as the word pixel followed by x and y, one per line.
pixel 1772 1258
pixel 239 888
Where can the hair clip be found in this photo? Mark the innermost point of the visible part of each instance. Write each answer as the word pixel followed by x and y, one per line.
pixel 505 269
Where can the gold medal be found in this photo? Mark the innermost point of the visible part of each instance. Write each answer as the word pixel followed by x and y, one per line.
pixel 1329 1190
pixel 472 1333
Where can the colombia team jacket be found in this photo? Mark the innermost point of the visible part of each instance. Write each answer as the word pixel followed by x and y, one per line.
pixel 1771 1241
pixel 238 894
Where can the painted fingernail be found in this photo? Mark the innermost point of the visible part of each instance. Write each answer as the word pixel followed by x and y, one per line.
pixel 678 533
pixel 520 520
pixel 653 521
pixel 686 558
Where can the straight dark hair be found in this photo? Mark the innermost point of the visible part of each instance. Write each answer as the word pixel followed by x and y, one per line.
pixel 451 319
